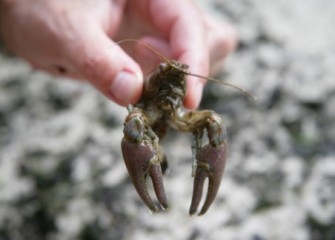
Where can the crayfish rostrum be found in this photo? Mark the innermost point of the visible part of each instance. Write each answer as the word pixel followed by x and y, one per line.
pixel 161 107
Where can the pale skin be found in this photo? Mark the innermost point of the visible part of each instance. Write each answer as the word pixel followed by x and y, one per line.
pixel 76 39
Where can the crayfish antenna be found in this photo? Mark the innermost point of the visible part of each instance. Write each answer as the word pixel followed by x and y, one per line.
pixel 165 59
pixel 151 48
pixel 245 92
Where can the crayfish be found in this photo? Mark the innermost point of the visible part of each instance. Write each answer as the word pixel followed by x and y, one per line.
pixel 161 107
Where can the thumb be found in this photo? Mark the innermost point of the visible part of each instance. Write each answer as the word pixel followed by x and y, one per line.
pixel 108 68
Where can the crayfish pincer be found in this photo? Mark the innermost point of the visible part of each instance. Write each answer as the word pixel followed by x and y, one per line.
pixel 160 107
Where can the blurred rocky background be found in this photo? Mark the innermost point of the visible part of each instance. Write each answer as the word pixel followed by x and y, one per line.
pixel 62 174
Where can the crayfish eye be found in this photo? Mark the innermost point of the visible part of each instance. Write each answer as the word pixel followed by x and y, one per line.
pixel 184 66
pixel 163 66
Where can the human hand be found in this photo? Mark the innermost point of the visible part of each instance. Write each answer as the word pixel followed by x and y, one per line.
pixel 74 39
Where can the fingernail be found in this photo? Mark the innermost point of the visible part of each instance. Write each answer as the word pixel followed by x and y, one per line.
pixel 124 87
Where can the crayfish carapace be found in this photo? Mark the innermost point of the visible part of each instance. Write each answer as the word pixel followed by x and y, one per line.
pixel 161 107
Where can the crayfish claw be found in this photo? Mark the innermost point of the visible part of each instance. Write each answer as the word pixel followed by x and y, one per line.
pixel 210 163
pixel 199 180
pixel 142 190
pixel 142 160
pixel 141 186
pixel 157 180
pixel 213 187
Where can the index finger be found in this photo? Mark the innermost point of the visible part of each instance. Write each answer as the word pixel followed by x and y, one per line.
pixel 182 24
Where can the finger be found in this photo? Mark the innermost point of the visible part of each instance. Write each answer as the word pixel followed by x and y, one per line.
pixel 222 40
pixel 191 48
pixel 179 23
pixel 106 66
pixel 188 44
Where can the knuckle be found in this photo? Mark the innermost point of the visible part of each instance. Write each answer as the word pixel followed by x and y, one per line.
pixel 90 64
pixel 97 68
